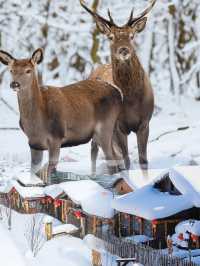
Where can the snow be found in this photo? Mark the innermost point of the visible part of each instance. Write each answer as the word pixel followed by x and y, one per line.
pixel 28 180
pixel 192 226
pixel 9 253
pixel 64 250
pixel 28 192
pixel 64 228
pixel 54 191
pixel 138 178
pixel 187 182
pixel 93 198
pixel 139 238
pixel 58 251
pixel 160 205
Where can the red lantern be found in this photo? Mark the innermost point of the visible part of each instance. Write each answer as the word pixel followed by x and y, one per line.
pixel 194 238
pixel 13 190
pixel 181 237
pixel 78 214
pixel 57 203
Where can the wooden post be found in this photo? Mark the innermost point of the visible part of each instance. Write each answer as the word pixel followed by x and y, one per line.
pixel 94 225
pixel 119 224
pixel 96 258
pixel 63 210
pixel 170 245
pixel 48 230
pixel 82 226
pixel 26 206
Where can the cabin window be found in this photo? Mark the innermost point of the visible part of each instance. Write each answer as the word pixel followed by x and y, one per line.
pixel 147 228
pixel 125 224
pixel 137 225
pixel 32 204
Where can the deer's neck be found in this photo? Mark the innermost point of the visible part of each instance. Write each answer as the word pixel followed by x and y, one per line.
pixel 128 75
pixel 30 102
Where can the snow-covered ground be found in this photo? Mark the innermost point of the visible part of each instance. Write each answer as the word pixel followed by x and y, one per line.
pixel 168 146
pixel 59 251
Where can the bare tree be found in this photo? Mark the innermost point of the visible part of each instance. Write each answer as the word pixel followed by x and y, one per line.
pixel 34 233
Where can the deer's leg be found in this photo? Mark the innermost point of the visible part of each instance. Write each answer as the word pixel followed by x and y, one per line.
pixel 54 152
pixel 107 147
pixel 121 140
pixel 142 140
pixel 36 161
pixel 94 155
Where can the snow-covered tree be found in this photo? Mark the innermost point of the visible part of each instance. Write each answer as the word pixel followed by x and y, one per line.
pixel 169 47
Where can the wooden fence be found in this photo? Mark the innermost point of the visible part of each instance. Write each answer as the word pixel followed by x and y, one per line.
pixel 143 254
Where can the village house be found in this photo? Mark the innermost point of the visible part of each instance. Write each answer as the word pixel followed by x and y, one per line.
pixel 90 207
pixel 23 199
pixel 156 208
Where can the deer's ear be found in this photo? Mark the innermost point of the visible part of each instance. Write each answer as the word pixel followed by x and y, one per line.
pixel 103 27
pixel 6 58
pixel 140 24
pixel 37 56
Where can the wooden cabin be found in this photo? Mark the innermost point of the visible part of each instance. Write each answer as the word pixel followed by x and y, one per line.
pixel 24 199
pixel 155 209
pixel 88 206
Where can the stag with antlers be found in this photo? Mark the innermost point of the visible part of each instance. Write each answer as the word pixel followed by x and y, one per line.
pixel 127 73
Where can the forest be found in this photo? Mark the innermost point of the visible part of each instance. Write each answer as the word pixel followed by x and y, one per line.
pixel 169 48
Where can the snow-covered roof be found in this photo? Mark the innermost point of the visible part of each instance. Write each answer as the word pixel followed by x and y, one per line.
pixel 161 205
pixel 27 180
pixel 186 180
pixel 28 192
pixel 92 197
pixel 6 188
pixel 64 228
pixel 137 178
pixel 54 191
pixel 151 204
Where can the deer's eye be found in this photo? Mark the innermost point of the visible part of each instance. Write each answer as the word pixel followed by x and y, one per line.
pixel 28 71
pixel 131 37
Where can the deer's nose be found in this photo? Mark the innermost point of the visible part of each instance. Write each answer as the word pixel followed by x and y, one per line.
pixel 15 85
pixel 124 51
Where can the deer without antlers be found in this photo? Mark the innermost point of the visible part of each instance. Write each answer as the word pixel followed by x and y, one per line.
pixel 128 74
pixel 54 117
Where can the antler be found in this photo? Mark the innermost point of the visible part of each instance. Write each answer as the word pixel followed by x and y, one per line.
pixel 143 14
pixel 97 16
pixel 110 17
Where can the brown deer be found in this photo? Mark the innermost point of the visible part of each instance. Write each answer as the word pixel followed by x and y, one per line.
pixel 53 117
pixel 127 73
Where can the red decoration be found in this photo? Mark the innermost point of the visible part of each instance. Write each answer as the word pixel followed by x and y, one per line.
pixel 154 222
pixel 57 203
pixel 78 214
pixel 181 237
pixel 194 238
pixel 13 190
